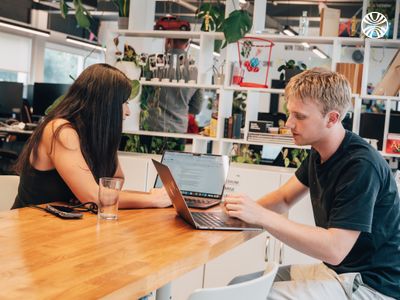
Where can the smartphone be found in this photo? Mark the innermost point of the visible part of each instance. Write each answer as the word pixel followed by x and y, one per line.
pixel 63 212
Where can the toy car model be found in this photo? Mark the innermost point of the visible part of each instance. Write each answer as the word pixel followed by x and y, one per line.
pixel 171 23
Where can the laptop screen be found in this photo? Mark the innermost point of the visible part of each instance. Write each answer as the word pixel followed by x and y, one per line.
pixel 197 175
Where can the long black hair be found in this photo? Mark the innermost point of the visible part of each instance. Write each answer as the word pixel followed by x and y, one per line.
pixel 93 107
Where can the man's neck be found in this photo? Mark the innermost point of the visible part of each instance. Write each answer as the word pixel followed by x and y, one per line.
pixel 329 145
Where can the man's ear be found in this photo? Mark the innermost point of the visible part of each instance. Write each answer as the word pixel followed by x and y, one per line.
pixel 333 118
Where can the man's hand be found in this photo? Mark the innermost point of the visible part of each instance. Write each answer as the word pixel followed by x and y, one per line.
pixel 244 208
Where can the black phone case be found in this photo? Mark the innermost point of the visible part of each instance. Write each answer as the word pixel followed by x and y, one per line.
pixel 58 212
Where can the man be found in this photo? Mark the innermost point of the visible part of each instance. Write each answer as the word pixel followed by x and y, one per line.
pixel 175 104
pixel 354 198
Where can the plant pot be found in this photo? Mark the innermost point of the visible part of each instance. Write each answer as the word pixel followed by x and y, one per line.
pixel 123 22
pixel 131 123
pixel 129 68
pixel 289 73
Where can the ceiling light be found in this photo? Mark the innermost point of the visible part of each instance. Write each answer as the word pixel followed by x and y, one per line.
pixel 85 43
pixel 305 45
pixel 24 28
pixel 289 31
pixel 319 52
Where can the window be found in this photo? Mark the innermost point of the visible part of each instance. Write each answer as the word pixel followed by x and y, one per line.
pixel 15 59
pixel 63 64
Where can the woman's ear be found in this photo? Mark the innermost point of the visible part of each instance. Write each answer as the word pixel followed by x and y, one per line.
pixel 333 118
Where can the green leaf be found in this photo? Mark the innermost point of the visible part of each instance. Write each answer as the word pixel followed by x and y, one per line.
pixel 135 88
pixel 54 104
pixel 303 66
pixel 236 26
pixel 63 9
pixel 81 15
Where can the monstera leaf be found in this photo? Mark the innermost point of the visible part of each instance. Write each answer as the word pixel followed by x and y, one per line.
pixel 236 26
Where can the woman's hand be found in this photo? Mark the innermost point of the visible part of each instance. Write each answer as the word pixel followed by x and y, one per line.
pixel 159 198
pixel 244 208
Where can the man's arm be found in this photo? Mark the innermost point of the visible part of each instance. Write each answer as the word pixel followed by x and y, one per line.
pixel 329 245
pixel 284 197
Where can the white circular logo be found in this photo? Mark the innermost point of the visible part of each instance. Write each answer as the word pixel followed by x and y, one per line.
pixel 374 25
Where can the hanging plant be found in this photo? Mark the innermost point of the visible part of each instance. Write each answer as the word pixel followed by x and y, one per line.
pixel 234 27
pixel 82 15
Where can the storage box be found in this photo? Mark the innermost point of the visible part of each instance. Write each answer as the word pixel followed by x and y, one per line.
pixel 393 143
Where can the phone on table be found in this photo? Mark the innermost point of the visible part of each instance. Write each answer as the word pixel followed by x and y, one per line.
pixel 63 212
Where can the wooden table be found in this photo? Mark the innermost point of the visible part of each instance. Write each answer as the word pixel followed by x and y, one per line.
pixel 44 257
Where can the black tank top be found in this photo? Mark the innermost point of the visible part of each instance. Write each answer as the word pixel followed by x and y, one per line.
pixel 38 187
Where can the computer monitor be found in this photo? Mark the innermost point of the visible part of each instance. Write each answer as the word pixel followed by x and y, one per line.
pixel 44 94
pixel 10 98
pixel 372 125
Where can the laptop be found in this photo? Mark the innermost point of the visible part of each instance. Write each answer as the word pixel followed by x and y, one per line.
pixel 199 220
pixel 200 177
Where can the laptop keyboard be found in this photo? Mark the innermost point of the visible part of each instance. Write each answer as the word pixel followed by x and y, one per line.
pixel 193 202
pixel 208 219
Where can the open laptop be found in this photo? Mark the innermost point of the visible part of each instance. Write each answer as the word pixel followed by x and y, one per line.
pixel 200 177
pixel 199 220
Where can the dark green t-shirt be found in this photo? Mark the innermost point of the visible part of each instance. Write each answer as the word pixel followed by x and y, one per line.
pixel 354 189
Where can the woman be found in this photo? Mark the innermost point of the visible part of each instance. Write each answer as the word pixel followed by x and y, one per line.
pixel 77 144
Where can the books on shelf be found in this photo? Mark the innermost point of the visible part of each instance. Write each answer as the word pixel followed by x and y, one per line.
pixel 259 132
pixel 232 126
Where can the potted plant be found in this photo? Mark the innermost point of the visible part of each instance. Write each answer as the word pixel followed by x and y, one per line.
pixel 290 69
pixel 82 15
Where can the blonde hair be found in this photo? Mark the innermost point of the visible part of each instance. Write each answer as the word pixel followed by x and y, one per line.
pixel 329 90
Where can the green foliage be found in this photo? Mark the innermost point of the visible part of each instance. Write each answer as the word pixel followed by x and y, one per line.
pixel 215 15
pixel 123 7
pixel 82 15
pixel 290 64
pixel 135 88
pixel 236 26
pixel 294 157
pixel 239 102
pixel 157 146
pixel 242 154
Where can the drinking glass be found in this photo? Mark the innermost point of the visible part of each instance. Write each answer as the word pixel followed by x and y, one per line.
pixel 108 197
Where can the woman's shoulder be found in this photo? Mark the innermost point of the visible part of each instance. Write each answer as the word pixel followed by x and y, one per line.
pixel 62 131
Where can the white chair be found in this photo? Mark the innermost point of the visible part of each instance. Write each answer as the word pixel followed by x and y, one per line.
pixel 9 189
pixel 256 289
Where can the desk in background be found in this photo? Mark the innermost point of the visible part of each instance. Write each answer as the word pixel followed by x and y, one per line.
pixel 44 257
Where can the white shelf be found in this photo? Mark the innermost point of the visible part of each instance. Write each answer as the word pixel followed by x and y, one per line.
pixel 181 85
pixel 171 135
pixel 242 141
pixel 377 97
pixel 171 34
pixel 309 39
pixel 263 90
pixel 385 154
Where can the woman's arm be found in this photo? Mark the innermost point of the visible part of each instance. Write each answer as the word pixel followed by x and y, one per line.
pixel 67 158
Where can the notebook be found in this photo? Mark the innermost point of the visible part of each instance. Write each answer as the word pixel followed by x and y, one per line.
pixel 200 177
pixel 199 220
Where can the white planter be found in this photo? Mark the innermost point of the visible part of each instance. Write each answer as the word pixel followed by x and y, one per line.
pixel 131 70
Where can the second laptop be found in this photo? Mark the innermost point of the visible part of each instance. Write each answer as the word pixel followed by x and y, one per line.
pixel 200 177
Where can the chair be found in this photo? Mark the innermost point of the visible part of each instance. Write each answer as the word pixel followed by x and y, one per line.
pixel 9 188
pixel 7 161
pixel 256 289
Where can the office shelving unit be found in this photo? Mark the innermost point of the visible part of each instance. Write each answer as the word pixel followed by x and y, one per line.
pixel 140 26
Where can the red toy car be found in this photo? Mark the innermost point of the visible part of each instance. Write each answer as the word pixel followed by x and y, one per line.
pixel 171 23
